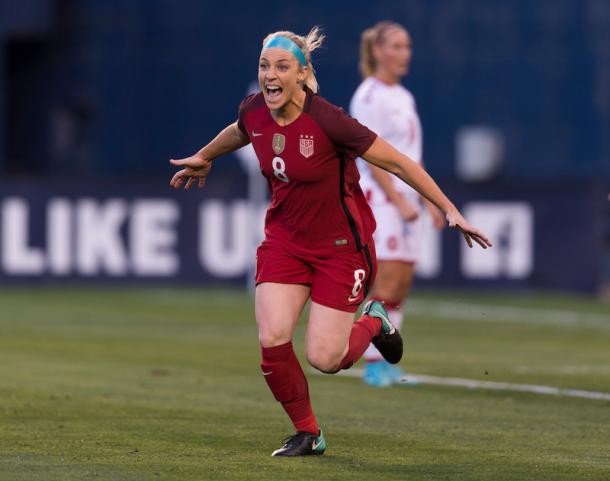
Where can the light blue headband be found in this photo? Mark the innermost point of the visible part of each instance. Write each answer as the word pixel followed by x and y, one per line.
pixel 286 44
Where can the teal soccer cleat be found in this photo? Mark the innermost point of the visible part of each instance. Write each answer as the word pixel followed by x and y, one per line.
pixel 398 376
pixel 388 342
pixel 302 444
pixel 376 375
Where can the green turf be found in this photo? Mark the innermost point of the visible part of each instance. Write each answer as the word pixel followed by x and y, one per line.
pixel 158 384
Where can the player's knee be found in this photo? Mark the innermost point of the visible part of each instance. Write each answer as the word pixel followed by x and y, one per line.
pixel 324 361
pixel 271 339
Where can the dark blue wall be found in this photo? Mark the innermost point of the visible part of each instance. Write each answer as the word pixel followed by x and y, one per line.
pixel 117 87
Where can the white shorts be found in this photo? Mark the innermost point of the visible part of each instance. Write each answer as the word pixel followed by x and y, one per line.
pixel 395 238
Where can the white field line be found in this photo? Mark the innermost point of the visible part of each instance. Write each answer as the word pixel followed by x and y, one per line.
pixel 519 315
pixel 495 386
pixel 568 370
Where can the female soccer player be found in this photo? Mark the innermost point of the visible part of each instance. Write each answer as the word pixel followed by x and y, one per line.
pixel 318 230
pixel 386 107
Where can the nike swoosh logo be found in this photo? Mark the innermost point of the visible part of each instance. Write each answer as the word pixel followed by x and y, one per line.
pixel 267 373
pixel 315 445
pixel 351 299
pixel 256 134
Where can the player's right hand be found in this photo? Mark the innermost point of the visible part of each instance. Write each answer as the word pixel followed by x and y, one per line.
pixel 408 212
pixel 195 168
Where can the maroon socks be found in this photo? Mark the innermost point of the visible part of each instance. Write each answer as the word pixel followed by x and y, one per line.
pixel 363 330
pixel 286 379
pixel 287 382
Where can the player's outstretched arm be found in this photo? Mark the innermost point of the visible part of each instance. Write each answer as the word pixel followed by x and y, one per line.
pixel 197 167
pixel 407 211
pixel 388 158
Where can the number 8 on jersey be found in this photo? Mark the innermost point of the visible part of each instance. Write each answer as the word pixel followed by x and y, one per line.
pixel 279 169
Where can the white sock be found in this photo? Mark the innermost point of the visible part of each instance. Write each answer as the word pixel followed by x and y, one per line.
pixel 396 314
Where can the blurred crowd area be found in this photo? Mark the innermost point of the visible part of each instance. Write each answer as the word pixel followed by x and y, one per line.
pixel 508 91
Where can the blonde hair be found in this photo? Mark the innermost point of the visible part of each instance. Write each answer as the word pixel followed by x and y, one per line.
pixel 374 35
pixel 307 44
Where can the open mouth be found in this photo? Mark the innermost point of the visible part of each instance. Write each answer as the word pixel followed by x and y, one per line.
pixel 273 91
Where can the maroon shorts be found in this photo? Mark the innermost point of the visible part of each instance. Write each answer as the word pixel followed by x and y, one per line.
pixel 341 282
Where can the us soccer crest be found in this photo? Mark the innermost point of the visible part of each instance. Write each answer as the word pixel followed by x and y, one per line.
pixel 278 143
pixel 306 146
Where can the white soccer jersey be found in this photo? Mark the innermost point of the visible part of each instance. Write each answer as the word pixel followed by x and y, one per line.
pixel 390 111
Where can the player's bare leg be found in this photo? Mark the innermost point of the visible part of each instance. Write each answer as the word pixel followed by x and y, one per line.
pixel 278 307
pixel 335 342
pixel 327 337
pixel 392 286
pixel 394 280
pixel 277 310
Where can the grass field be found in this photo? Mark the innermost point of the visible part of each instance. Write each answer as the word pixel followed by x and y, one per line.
pixel 127 385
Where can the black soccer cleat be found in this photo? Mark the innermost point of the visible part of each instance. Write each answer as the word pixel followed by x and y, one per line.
pixel 302 444
pixel 388 342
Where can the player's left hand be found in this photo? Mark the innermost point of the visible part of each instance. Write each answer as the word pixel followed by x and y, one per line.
pixel 470 233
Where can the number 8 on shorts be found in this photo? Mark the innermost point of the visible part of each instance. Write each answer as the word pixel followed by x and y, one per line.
pixel 359 275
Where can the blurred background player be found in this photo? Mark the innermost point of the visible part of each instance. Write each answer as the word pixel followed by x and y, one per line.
pixel 388 108
pixel 318 230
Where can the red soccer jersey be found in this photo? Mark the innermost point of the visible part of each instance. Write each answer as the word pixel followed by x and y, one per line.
pixel 316 200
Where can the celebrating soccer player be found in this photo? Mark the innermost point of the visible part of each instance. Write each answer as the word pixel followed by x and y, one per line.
pixel 318 229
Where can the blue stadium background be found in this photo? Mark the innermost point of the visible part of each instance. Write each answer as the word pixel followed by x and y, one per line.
pixel 108 89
